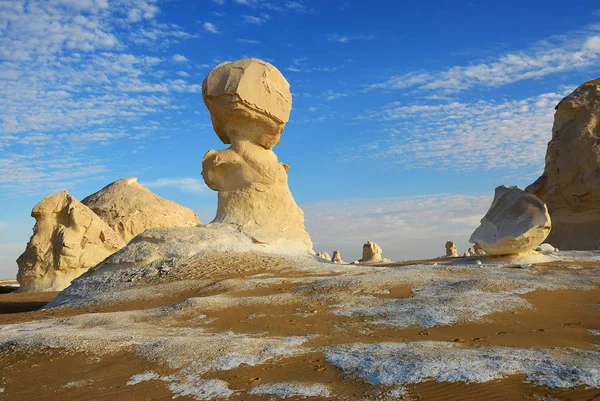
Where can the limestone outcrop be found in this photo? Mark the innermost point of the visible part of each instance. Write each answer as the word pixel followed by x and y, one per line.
pixel 324 255
pixel 517 222
pixel 68 238
pixel 451 249
pixel 371 253
pixel 570 184
pixel 130 209
pixel 337 257
pixel 250 102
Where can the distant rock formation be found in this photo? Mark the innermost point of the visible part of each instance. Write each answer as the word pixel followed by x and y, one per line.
pixel 517 222
pixel 130 209
pixel 451 249
pixel 324 255
pixel 547 248
pixel 477 250
pixel 372 253
pixel 68 238
pixel 250 102
pixel 570 184
pixel 337 257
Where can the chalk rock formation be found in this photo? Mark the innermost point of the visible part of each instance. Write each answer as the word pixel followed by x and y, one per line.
pixel 337 258
pixel 570 184
pixel 249 102
pixel 546 248
pixel 372 253
pixel 130 209
pixel 516 222
pixel 324 255
pixel 68 238
pixel 451 249
pixel 477 250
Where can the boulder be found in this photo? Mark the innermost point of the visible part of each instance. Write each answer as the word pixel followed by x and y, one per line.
pixel 324 255
pixel 451 249
pixel 249 102
pixel 546 248
pixel 570 184
pixel 516 222
pixel 337 258
pixel 130 209
pixel 68 238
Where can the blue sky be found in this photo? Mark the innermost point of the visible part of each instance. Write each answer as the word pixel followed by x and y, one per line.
pixel 405 115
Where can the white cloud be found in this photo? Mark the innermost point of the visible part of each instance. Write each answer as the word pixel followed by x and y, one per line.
pixel 249 41
pixel 180 58
pixel 251 19
pixel 348 38
pixel 210 27
pixel 186 184
pixel 219 2
pixel 332 95
pixel 486 135
pixel 408 227
pixel 183 74
pixel 549 57
pixel 70 85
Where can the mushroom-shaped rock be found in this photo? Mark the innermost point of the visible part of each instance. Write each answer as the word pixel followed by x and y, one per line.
pixel 130 209
pixel 68 238
pixel 516 222
pixel 451 249
pixel 249 102
pixel 337 257
pixel 570 184
pixel 324 255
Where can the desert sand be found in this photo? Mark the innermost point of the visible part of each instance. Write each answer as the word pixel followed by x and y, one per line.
pixel 252 327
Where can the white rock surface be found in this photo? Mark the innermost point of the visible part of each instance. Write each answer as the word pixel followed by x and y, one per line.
pixel 516 222
pixel 250 101
pixel 547 248
pixel 324 255
pixel 570 184
pixel 451 249
pixel 68 238
pixel 337 257
pixel 372 253
pixel 130 209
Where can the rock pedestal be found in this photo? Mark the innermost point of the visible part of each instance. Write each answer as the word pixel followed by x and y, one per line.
pixel 68 238
pixel 517 222
pixel 372 253
pixel 570 184
pixel 249 102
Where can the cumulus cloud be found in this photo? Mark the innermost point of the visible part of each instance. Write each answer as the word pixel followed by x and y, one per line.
pixel 409 227
pixel 550 57
pixel 180 58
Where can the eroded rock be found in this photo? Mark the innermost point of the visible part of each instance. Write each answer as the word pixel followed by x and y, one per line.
pixel 570 184
pixel 337 257
pixel 516 222
pixel 250 101
pixel 68 238
pixel 130 209
pixel 451 249
pixel 324 255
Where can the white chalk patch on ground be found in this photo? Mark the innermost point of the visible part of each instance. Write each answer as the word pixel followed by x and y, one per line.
pixel 77 383
pixel 291 389
pixel 594 332
pixel 400 364
pixel 152 334
pixel 198 388
pixel 142 377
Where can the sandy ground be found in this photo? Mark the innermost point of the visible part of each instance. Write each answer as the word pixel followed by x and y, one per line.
pixel 554 319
